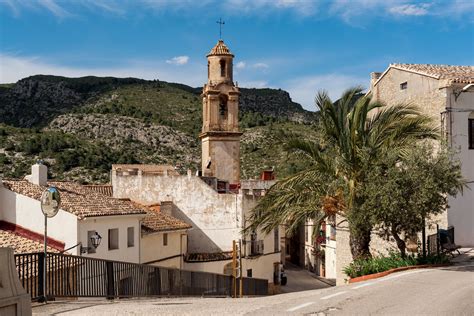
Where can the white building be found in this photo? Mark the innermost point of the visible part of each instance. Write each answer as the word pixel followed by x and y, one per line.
pixel 446 93
pixel 129 231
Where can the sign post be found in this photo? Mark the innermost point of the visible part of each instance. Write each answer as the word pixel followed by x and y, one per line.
pixel 50 201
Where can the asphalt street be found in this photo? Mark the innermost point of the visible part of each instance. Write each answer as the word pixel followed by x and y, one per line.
pixel 440 291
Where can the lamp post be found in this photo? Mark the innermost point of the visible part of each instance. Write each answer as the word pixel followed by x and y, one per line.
pixel 95 242
pixel 50 201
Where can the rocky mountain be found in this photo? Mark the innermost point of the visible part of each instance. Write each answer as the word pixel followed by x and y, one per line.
pixel 80 126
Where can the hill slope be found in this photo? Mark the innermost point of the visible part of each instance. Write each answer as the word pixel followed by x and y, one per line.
pixel 80 126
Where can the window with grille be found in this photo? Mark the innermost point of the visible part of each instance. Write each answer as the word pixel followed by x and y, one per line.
pixel 130 237
pixel 113 238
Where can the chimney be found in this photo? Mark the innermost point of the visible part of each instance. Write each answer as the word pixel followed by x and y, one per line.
pixel 374 76
pixel 166 207
pixel 39 174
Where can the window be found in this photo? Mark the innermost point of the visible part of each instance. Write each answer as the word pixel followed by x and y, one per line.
pixel 471 131
pixel 165 239
pixel 222 63
pixel 403 85
pixel 90 246
pixel 276 240
pixel 223 107
pixel 113 238
pixel 249 273
pixel 130 237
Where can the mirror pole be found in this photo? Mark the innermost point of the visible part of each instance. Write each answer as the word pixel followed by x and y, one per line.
pixel 45 254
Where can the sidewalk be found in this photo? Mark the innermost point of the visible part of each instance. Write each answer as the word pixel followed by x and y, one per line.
pixel 467 255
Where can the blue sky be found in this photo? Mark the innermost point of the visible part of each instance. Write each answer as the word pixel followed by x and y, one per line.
pixel 300 46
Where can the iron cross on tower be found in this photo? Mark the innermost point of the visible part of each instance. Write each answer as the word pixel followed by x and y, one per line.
pixel 220 22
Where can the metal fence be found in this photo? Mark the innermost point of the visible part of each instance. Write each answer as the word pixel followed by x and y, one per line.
pixel 73 276
pixel 442 236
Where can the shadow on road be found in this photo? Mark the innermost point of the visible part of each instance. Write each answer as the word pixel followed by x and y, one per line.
pixel 302 280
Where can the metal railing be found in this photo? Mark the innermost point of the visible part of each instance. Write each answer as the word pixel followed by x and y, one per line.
pixel 73 276
pixel 256 247
pixel 439 238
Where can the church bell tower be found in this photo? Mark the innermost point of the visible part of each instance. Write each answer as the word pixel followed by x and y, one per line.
pixel 220 136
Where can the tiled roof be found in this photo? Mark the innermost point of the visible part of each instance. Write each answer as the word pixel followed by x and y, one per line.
pixel 100 188
pixel 220 49
pixel 156 221
pixel 206 257
pixel 454 74
pixel 21 244
pixel 160 169
pixel 76 199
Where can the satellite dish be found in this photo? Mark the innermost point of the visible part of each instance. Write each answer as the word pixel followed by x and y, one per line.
pixel 50 201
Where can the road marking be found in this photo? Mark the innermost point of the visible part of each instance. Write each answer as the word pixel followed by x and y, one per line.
pixel 362 285
pixel 333 295
pixel 398 275
pixel 299 307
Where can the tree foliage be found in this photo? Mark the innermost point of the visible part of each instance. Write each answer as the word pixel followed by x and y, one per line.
pixel 354 134
pixel 399 193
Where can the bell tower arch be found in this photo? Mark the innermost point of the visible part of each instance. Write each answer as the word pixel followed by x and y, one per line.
pixel 220 136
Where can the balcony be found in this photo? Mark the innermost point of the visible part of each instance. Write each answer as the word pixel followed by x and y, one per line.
pixel 256 248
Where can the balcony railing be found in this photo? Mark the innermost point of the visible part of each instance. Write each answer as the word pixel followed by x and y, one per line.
pixel 256 247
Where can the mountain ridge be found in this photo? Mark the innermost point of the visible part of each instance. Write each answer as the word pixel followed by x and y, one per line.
pixel 80 126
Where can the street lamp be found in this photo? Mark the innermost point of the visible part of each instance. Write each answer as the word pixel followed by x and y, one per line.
pixel 50 201
pixel 95 241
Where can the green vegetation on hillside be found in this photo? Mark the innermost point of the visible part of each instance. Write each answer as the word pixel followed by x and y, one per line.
pixel 80 126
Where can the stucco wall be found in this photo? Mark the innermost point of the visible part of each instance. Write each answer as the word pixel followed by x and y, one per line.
pixel 101 225
pixel 461 212
pixel 152 248
pixel 216 218
pixel 26 212
pixel 224 153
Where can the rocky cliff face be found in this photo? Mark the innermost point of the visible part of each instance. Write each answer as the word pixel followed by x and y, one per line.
pixel 80 126
pixel 274 103
pixel 32 102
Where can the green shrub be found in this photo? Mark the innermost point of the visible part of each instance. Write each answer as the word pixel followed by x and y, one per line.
pixel 372 265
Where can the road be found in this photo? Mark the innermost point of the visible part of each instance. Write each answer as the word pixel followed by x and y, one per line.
pixel 440 291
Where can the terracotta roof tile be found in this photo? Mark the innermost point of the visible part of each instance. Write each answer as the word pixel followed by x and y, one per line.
pixel 220 49
pixel 454 74
pixel 76 199
pixel 205 257
pixel 21 244
pixel 156 221
pixel 160 169
pixel 100 188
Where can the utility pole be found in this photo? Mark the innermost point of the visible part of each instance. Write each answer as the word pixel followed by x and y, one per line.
pixel 240 270
pixel 234 268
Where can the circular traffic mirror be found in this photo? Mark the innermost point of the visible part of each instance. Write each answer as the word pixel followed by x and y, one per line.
pixel 50 201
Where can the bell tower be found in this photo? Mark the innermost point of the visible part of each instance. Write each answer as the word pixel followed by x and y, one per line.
pixel 220 136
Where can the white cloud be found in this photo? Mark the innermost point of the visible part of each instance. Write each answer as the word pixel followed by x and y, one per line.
pixel 350 11
pixel 410 9
pixel 260 66
pixel 54 8
pixel 301 7
pixel 14 68
pixel 178 60
pixel 304 89
pixel 254 84
pixel 240 65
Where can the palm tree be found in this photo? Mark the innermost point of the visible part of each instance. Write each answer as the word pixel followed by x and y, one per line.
pixel 353 135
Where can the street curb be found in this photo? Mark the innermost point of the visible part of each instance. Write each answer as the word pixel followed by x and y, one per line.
pixel 384 273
